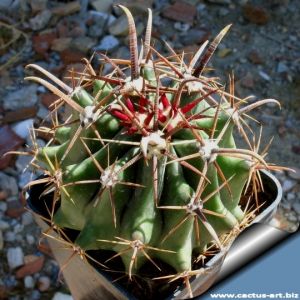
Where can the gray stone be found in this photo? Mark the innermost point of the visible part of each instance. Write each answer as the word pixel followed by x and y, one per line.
pixel 83 43
pixel 15 257
pixel 8 184
pixel 27 218
pixel 290 196
pixel 286 205
pixel 9 236
pixel 282 68
pixel 296 207
pixel 41 20
pixel 43 283
pixel 108 43
pixel 264 75
pixel 29 282
pixel 35 295
pixel 3 206
pixel 61 296
pixel 22 128
pixel 194 36
pixel 99 22
pixel 43 112
pixel 294 175
pixel 119 27
pixel 30 239
pixel 183 27
pixel 24 178
pixel 288 185
pixel 22 162
pixel 102 6
pixel 18 228
pixel 4 225
pixel 24 97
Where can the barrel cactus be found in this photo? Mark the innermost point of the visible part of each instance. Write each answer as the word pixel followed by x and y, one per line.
pixel 145 165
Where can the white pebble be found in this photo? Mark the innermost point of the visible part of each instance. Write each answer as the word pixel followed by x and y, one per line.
pixel 29 282
pixel 43 283
pixel 22 128
pixel 15 257
pixel 30 239
pixel 61 296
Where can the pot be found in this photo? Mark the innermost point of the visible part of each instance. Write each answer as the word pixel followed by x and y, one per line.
pixel 85 282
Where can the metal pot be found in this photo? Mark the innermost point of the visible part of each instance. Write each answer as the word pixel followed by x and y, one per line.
pixel 85 282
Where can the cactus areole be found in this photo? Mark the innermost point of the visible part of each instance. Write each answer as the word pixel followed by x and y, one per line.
pixel 144 165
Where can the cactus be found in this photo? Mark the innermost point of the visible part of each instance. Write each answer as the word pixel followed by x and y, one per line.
pixel 146 165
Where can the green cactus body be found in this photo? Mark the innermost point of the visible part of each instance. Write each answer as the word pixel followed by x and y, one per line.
pixel 101 223
pixel 176 192
pixel 71 213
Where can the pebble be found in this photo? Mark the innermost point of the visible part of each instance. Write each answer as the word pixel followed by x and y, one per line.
pixel 18 228
pixel 183 27
pixel 294 175
pixel 119 27
pixel 29 282
pixel 296 207
pixel 23 97
pixel 108 43
pixel 264 75
pixel 9 185
pixel 30 239
pixel 180 11
pixel 83 44
pixel 15 257
pixel 61 296
pixel 3 206
pixel 35 295
pixel 9 236
pixel 22 162
pixel 9 141
pixel 43 283
pixel 102 6
pixel 4 225
pixel 282 67
pixel 290 196
pixel 286 205
pixel 195 36
pixel 41 20
pixel 255 14
pixel 288 185
pixel 27 218
pixel 22 128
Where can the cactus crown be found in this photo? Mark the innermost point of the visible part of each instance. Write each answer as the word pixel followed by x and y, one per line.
pixel 146 164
